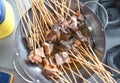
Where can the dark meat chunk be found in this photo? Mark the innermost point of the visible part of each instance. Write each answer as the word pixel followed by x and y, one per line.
pixel 67 44
pixel 76 42
pixel 37 56
pixel 49 71
pixel 64 23
pixel 48 47
pixel 66 57
pixel 81 25
pixel 80 36
pixel 90 41
pixel 80 17
pixel 45 61
pixel 56 29
pixel 34 59
pixel 39 52
pixel 73 24
pixel 51 60
pixel 58 59
pixel 64 26
pixel 65 37
pixel 65 31
pixel 29 42
pixel 50 36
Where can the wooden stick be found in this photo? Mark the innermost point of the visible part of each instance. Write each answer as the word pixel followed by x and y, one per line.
pixel 38 22
pixel 79 72
pixel 63 77
pixel 83 65
pixel 66 73
pixel 54 80
pixel 64 6
pixel 78 2
pixel 72 73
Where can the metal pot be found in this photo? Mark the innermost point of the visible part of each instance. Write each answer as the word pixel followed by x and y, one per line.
pixel 95 29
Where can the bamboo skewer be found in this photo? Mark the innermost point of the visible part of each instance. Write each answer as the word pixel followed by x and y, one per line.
pixel 98 74
pixel 61 79
pixel 62 10
pixel 36 17
pixel 54 80
pixel 21 19
pixel 72 72
pixel 78 5
pixel 82 65
pixel 64 77
pixel 89 66
pixel 64 7
pixel 90 54
pixel 66 74
pixel 107 76
pixel 43 13
pixel 56 13
pixel 79 72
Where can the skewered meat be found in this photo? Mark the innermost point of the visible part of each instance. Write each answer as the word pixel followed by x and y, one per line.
pixel 64 26
pixel 65 37
pixel 37 56
pixel 58 59
pixel 49 71
pixel 34 59
pixel 48 47
pixel 56 29
pixel 51 60
pixel 73 24
pixel 80 36
pixel 65 31
pixel 90 42
pixel 65 57
pixel 39 52
pixel 50 36
pixel 76 42
pixel 65 23
pixel 67 44
pixel 29 42
pixel 80 17
pixel 45 61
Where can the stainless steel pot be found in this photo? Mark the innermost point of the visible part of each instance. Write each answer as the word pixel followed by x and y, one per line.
pixel 95 28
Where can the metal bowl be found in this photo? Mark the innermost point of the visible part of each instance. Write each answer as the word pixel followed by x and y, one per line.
pixel 94 28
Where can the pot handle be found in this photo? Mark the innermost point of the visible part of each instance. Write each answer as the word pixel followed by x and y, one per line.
pixel 106 14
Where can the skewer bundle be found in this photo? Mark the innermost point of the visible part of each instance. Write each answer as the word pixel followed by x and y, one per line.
pixel 55 41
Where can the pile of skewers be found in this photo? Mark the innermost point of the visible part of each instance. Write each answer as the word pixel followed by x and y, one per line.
pixel 55 41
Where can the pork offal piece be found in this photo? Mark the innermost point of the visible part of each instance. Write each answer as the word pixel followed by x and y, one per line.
pixel 56 29
pixel 58 59
pixel 79 36
pixel 34 59
pixel 80 17
pixel 76 42
pixel 39 52
pixel 73 24
pixel 29 42
pixel 50 36
pixel 49 71
pixel 37 56
pixel 48 48
pixel 66 57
